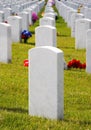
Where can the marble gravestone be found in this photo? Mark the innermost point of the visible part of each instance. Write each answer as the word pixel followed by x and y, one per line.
pixel 75 17
pixel 34 8
pixel 88 13
pixel 49 10
pixel 16 27
pixel 52 15
pixel 1 16
pixel 25 20
pixel 70 12
pixel 66 10
pixel 47 21
pixel 29 10
pixel 45 36
pixel 7 13
pixel 88 51
pixel 5 43
pixel 46 82
pixel 60 8
pixel 81 27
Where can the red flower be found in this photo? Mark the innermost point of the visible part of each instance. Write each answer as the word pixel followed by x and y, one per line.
pixel 76 64
pixel 26 62
pixel 69 64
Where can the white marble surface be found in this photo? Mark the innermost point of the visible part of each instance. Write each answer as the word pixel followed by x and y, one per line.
pixel 1 16
pixel 46 82
pixel 47 21
pixel 7 13
pixel 45 36
pixel 75 17
pixel 29 10
pixel 82 25
pixel 52 15
pixel 16 27
pixel 25 20
pixel 88 51
pixel 5 43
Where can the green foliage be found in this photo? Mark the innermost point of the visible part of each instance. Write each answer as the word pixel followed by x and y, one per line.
pixel 14 88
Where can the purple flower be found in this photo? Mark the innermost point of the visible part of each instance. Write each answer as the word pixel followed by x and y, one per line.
pixel 34 17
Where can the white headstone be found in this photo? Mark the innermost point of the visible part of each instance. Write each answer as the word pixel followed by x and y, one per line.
pixel 47 10
pixel 7 13
pixel 47 21
pixel 35 8
pixel 29 10
pixel 5 43
pixel 66 10
pixel 52 15
pixel 25 20
pixel 46 81
pixel 17 9
pixel 70 12
pixel 1 16
pixel 16 27
pixel 82 25
pixel 60 7
pixel 88 13
pixel 88 51
pixel 74 17
pixel 45 36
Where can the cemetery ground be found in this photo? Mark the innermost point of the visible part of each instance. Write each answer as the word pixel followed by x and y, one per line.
pixel 14 88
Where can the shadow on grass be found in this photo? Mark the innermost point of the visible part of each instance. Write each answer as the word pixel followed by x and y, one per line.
pixel 76 70
pixel 64 35
pixel 28 43
pixel 66 47
pixel 33 32
pixel 18 110
pixel 80 122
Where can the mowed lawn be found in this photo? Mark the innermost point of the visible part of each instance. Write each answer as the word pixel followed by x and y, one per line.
pixel 14 88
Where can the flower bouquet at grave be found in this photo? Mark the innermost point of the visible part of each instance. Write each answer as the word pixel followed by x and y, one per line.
pixel 25 35
pixel 76 64
pixel 34 17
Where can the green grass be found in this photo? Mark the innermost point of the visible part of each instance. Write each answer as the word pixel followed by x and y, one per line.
pixel 14 88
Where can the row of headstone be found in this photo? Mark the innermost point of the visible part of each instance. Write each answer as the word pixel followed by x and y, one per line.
pixel 80 24
pixel 21 22
pixel 46 65
pixel 76 3
pixel 17 5
pixel 47 29
pixel 11 31
pixel 16 9
pixel 83 34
